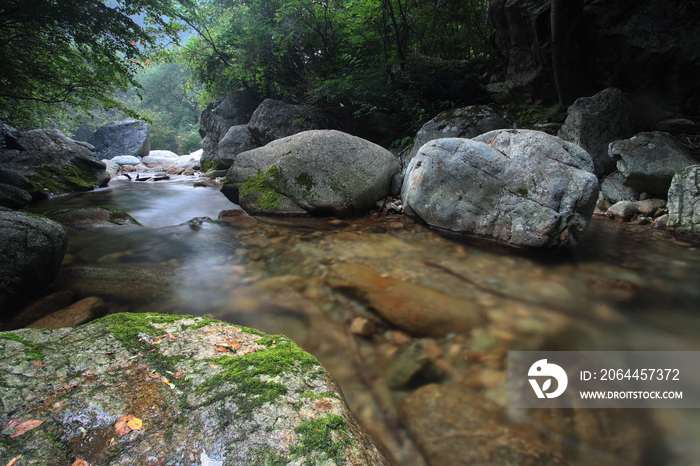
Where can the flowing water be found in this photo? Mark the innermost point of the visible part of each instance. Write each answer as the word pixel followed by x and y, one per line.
pixel 625 287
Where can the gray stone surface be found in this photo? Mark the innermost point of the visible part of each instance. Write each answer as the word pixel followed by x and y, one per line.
pixel 124 137
pixel 467 122
pixel 259 399
pixel 163 158
pixel 219 116
pixel 648 161
pixel 274 119
pixel 31 250
pixel 594 122
pixel 92 217
pixel 237 140
pixel 126 160
pixel 623 210
pixel 46 162
pixel 111 167
pixel 613 188
pixel 13 197
pixel 321 172
pixel 649 207
pixel 527 188
pixel 684 204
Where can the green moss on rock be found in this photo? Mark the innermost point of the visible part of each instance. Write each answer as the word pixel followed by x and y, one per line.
pixel 316 436
pixel 266 186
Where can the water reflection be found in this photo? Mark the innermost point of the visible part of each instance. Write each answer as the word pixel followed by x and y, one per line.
pixel 624 288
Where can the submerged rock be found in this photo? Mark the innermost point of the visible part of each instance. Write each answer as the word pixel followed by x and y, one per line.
pixel 684 204
pixel 316 172
pixel 416 309
pixel 92 217
pixel 31 251
pixel 519 187
pixel 159 389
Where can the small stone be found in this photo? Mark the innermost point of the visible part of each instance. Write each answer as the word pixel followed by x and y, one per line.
pixel 649 206
pixel 661 221
pixel 337 223
pixel 400 338
pixel 362 326
pixel 640 220
pixel 394 226
pixel 623 210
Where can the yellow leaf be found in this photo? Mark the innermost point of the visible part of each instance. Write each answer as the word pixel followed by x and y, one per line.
pixel 135 424
pixel 14 460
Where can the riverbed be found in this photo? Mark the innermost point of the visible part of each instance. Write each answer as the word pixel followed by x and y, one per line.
pixel 626 287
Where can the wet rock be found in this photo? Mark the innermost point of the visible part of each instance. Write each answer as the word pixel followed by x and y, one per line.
pixel 238 218
pixel 191 161
pixel 613 188
pixel 467 123
pixel 92 217
pixel 13 197
pixel 124 137
pixel 362 326
pixel 520 187
pixel 200 388
pixel 39 308
pixel 623 210
pixel 78 313
pixel 218 117
pixel 274 119
pixel 111 167
pixel 647 161
pixel 31 251
pixel 411 307
pixel 46 162
pixel 456 427
pixel 126 160
pixel 408 362
pixel 594 122
pixel 236 140
pixel 684 204
pixel 317 172
pixel 649 207
pixel 661 221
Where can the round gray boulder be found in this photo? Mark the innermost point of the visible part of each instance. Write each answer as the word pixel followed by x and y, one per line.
pixel 124 137
pixel 274 119
pixel 317 172
pixel 518 187
pixel 31 250
pixel 648 161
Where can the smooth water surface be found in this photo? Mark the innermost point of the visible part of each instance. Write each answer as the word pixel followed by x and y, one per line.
pixel 625 287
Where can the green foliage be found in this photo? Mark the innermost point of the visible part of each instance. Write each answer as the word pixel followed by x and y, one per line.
pixel 188 142
pixel 68 56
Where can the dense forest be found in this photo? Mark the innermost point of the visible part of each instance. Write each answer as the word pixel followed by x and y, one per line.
pixel 89 62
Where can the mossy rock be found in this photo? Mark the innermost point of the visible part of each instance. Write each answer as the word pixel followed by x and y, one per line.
pixel 203 389
pixel 92 217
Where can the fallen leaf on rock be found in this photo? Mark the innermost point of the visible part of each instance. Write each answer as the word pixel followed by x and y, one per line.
pixel 213 366
pixel 11 425
pixel 26 426
pixel 166 382
pixel 14 460
pixel 171 373
pixel 155 341
pixel 179 375
pixel 170 335
pixel 68 387
pixel 135 424
pixel 38 364
pixel 79 462
pixel 234 343
pixel 221 349
pixel 121 425
pixel 153 375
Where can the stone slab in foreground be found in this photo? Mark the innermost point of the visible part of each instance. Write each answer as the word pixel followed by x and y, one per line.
pixel 205 392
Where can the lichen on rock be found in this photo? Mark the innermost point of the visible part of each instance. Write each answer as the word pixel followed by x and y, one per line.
pixel 200 387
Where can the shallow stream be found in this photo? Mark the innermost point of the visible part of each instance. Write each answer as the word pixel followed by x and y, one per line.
pixel 625 287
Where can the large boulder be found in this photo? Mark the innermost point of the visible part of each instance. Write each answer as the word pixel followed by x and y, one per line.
pixel 124 137
pixel 467 122
pixel 648 161
pixel 684 204
pixel 519 187
pixel 147 389
pixel 594 122
pixel 237 140
pixel 14 198
pixel 648 47
pixel 160 158
pixel 274 119
pixel 314 172
pixel 218 117
pixel 46 162
pixel 31 250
